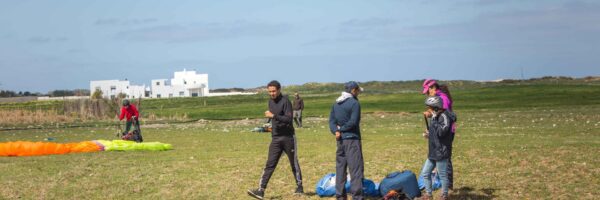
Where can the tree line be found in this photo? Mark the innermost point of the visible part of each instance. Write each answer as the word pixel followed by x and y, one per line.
pixel 54 93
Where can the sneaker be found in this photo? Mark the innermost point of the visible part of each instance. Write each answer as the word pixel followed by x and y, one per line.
pixel 257 193
pixel 299 190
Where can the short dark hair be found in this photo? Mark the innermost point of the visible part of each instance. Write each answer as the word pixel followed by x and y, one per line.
pixel 275 84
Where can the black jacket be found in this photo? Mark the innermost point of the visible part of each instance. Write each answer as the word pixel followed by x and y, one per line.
pixel 298 103
pixel 440 136
pixel 282 116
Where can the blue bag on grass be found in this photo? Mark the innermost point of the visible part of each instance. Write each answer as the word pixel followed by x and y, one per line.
pixel 402 182
pixel 326 186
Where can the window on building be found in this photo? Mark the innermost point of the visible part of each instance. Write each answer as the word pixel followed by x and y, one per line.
pixel 158 96
pixel 157 83
pixel 170 95
pixel 181 93
pixel 113 88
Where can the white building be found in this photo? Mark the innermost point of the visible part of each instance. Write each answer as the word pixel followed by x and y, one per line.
pixel 184 84
pixel 112 88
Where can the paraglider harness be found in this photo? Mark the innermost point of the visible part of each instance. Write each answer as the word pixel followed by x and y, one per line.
pixel 136 134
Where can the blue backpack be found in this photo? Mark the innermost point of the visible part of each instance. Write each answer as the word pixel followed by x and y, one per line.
pixel 326 186
pixel 402 182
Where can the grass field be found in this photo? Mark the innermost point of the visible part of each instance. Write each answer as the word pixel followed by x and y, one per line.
pixel 513 142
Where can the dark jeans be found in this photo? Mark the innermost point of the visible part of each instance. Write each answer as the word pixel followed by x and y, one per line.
pixel 349 155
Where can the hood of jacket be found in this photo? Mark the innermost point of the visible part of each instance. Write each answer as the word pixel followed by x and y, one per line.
pixel 344 97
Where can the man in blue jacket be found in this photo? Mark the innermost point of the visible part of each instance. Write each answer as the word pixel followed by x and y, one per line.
pixel 344 122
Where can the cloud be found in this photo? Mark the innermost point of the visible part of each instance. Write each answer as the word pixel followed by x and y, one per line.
pixel 203 31
pixel 356 30
pixel 45 40
pixel 482 2
pixel 573 25
pixel 370 22
pixel 6 36
pixel 334 41
pixel 124 22
pixel 568 29
pixel 564 23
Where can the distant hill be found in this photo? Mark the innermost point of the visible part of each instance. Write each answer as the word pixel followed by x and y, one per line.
pixel 390 87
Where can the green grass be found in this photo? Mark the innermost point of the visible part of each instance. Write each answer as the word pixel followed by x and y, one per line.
pixel 515 141
pixel 539 153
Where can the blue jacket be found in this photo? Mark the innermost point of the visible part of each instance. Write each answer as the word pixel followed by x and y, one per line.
pixel 345 113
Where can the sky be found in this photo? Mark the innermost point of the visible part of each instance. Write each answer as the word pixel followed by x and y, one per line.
pixel 51 45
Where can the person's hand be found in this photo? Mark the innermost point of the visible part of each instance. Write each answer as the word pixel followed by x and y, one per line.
pixel 268 114
pixel 428 113
pixel 426 134
pixel 338 135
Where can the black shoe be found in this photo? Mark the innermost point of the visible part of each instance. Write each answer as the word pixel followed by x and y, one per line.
pixel 299 190
pixel 257 193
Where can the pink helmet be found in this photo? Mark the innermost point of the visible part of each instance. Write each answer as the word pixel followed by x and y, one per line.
pixel 427 84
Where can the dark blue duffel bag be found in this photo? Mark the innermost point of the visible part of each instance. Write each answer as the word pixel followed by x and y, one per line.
pixel 402 182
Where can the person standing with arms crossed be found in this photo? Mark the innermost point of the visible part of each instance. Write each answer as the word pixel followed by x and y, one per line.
pixel 283 139
pixel 344 122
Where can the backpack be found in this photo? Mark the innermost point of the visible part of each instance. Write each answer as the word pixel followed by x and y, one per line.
pixel 326 186
pixel 404 182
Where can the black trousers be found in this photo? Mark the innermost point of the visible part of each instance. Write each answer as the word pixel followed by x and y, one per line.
pixel 349 155
pixel 279 145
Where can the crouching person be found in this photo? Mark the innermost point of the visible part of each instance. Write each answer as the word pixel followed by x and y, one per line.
pixel 440 142
pixel 131 114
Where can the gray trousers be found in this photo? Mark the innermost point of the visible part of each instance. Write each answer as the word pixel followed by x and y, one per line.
pixel 349 155
pixel 298 118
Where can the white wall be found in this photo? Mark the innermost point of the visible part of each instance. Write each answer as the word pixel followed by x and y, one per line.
pixel 137 91
pixel 112 88
pixel 192 82
pixel 184 84
pixel 109 88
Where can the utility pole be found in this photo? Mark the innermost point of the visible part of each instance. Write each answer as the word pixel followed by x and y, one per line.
pixel 522 75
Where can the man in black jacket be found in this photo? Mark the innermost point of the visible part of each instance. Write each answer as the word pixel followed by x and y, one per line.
pixel 283 139
pixel 344 122
pixel 298 108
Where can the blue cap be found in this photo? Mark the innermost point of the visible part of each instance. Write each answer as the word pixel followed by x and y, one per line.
pixel 352 85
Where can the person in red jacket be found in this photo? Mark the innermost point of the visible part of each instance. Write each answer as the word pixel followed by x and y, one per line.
pixel 129 112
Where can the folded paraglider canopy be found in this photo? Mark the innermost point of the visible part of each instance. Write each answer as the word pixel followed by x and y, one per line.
pixel 24 148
